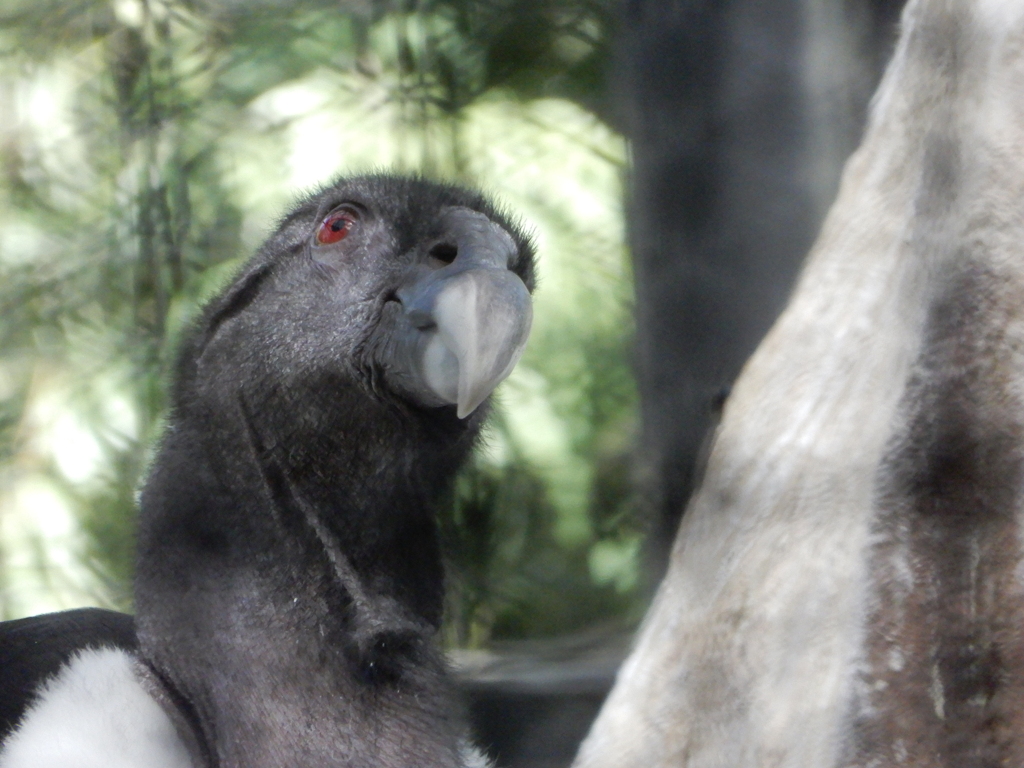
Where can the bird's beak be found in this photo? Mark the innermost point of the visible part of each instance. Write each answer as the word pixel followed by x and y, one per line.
pixel 466 323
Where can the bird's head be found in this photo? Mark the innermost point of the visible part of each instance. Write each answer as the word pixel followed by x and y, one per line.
pixel 410 292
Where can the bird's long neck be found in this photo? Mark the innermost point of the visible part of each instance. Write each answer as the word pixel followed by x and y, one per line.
pixel 289 585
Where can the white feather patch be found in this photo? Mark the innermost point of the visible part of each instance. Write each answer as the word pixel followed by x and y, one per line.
pixel 472 757
pixel 95 714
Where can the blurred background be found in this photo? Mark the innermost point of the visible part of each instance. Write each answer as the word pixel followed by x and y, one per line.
pixel 673 160
pixel 149 147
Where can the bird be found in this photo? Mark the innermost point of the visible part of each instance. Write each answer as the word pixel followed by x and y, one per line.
pixel 289 582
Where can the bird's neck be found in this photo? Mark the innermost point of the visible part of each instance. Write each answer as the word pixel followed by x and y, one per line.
pixel 289 587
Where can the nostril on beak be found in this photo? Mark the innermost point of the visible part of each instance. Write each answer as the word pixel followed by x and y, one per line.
pixel 444 252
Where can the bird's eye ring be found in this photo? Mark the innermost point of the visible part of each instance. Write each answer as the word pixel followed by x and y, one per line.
pixel 336 226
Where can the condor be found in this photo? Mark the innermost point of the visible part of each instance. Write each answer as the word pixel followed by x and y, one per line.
pixel 289 583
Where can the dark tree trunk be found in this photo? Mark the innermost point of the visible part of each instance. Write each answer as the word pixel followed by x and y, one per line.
pixel 741 114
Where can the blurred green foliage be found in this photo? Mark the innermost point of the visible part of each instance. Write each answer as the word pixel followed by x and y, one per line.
pixel 146 148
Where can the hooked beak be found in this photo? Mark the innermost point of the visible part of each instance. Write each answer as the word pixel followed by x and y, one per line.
pixel 466 324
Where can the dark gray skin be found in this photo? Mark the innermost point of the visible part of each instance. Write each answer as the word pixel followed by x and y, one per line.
pixel 289 582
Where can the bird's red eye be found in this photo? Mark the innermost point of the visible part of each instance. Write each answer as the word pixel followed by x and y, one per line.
pixel 335 227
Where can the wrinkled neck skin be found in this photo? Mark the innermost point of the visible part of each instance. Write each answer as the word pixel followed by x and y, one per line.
pixel 289 584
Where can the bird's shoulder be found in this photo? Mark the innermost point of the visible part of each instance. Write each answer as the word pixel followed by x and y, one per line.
pixel 95 712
